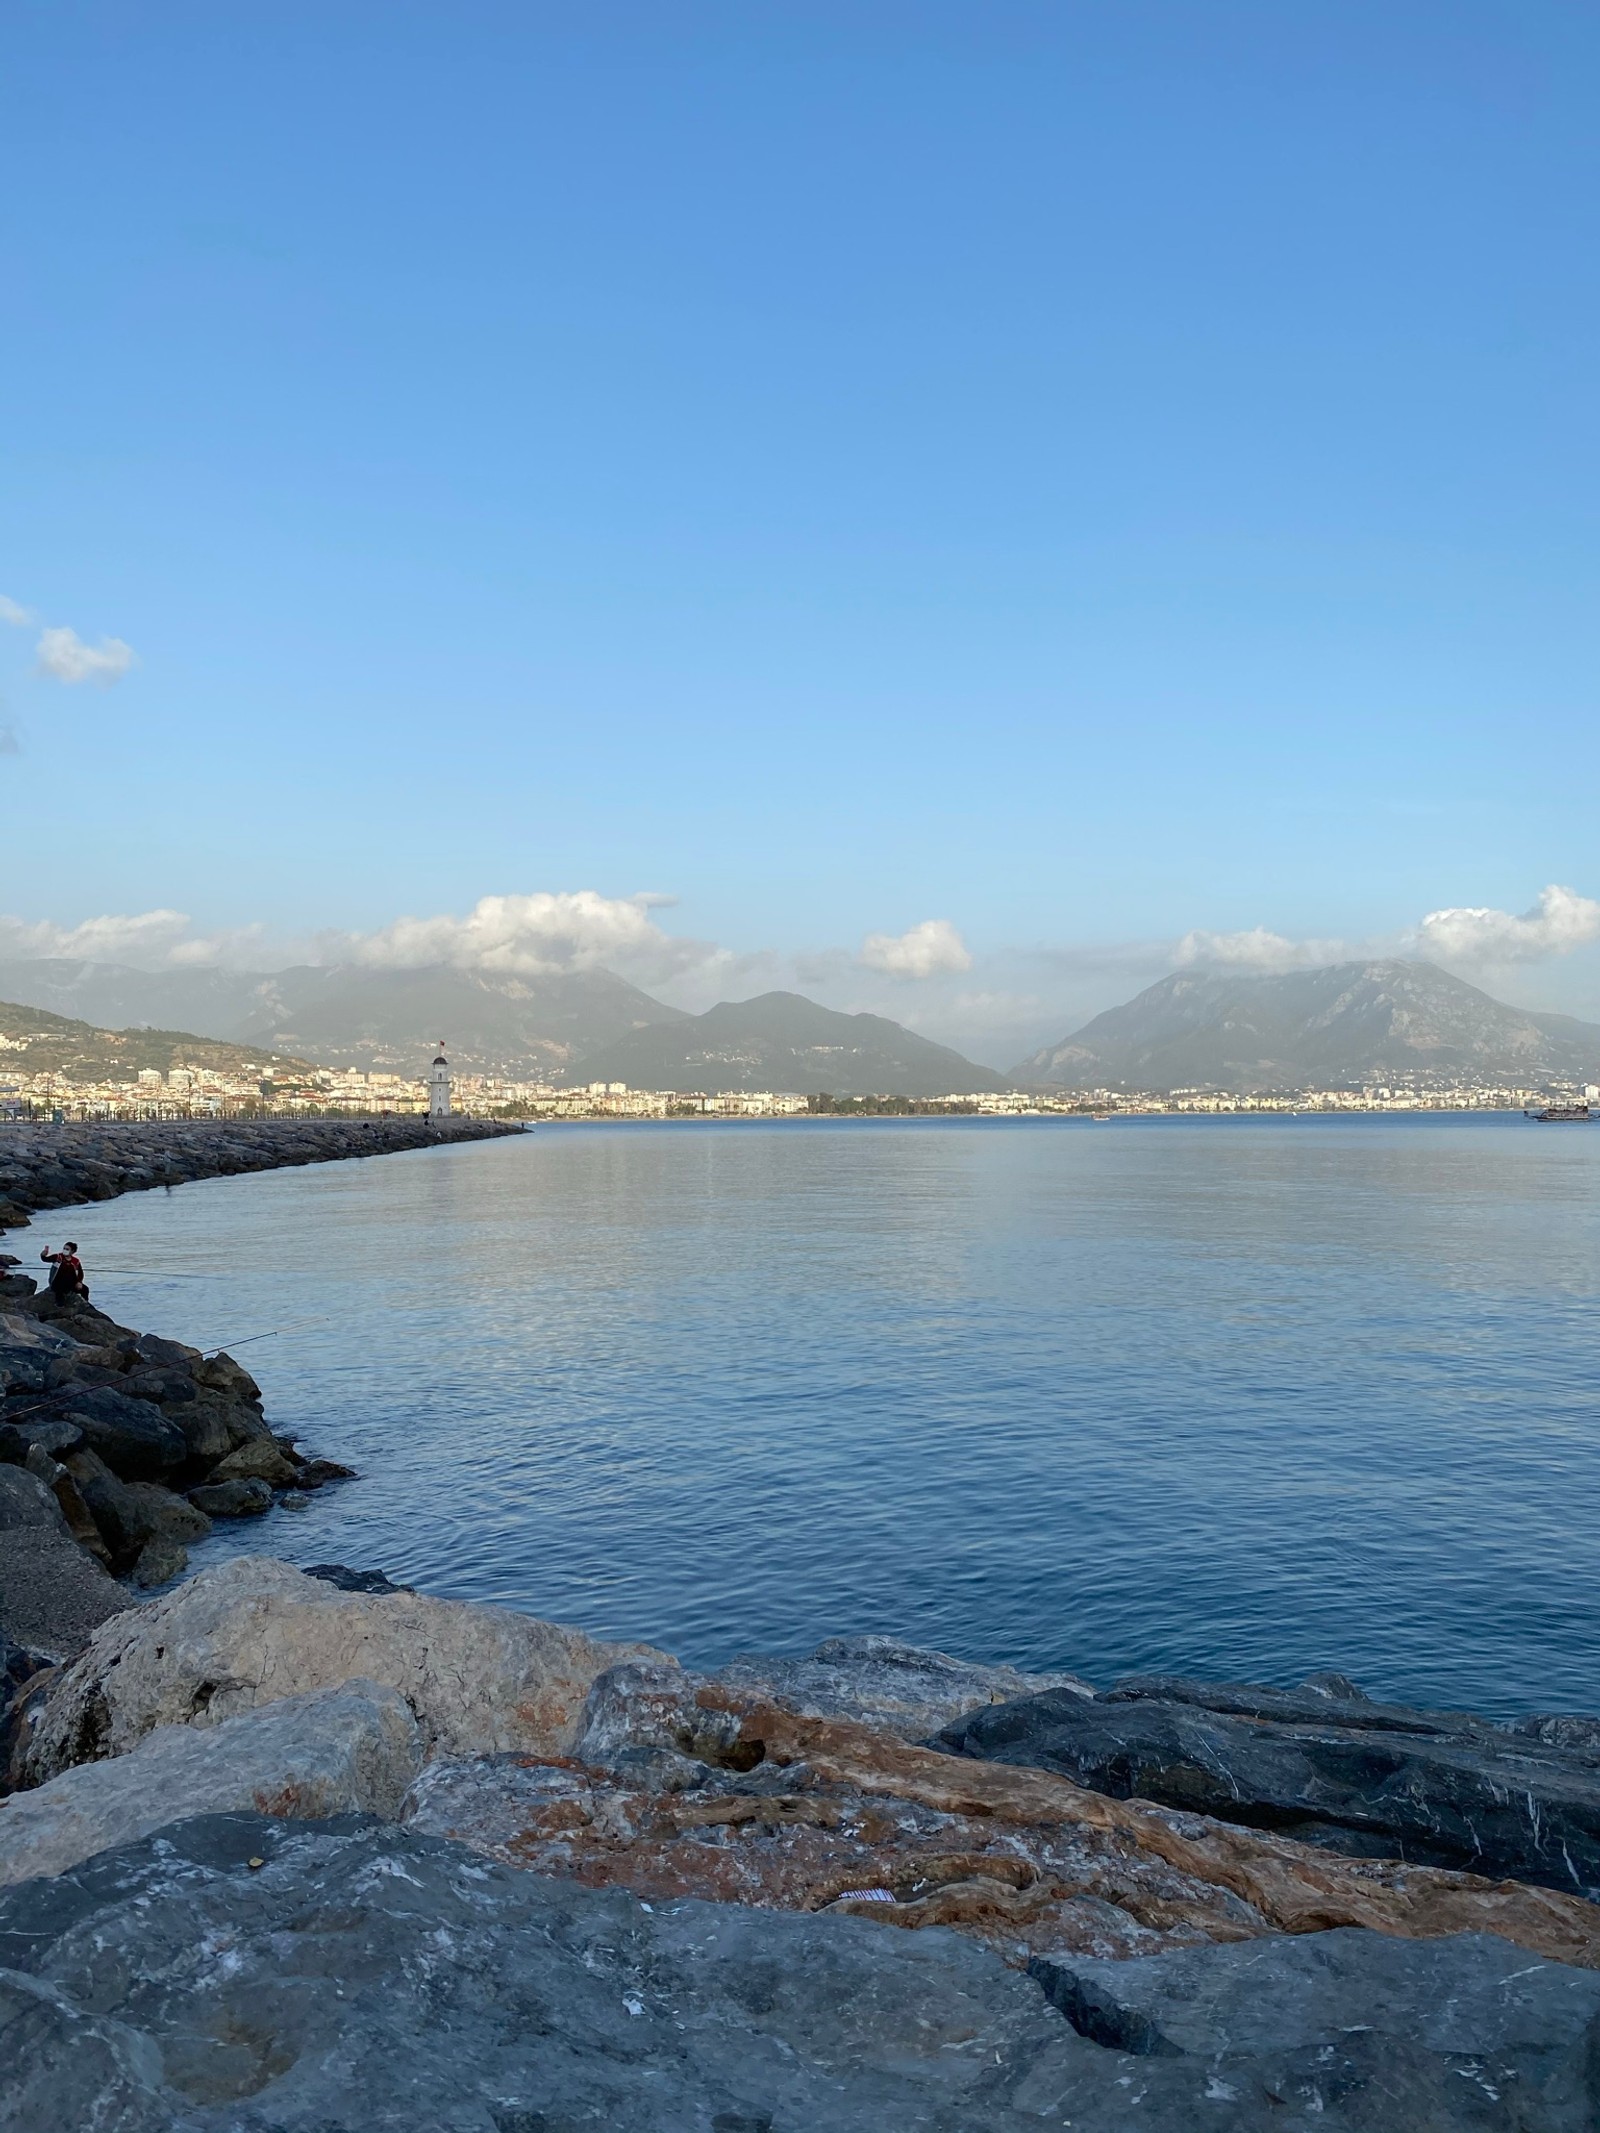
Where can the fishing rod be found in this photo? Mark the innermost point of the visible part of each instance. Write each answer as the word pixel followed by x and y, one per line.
pixel 154 1273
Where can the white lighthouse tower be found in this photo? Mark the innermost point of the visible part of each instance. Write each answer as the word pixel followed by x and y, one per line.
pixel 439 1086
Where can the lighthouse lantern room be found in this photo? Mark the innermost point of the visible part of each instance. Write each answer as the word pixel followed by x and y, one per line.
pixel 439 1086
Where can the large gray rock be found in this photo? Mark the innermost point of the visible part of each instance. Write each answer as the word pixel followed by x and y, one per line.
pixel 52 1595
pixel 232 1499
pixel 481 1680
pixel 259 1460
pixel 1372 1780
pixel 1471 1999
pixel 162 1512
pixel 28 1504
pixel 366 1977
pixel 133 1437
pixel 878 1681
pixel 31 1352
pixel 109 1502
pixel 353 1749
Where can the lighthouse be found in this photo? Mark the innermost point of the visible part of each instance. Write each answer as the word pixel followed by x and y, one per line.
pixel 439 1086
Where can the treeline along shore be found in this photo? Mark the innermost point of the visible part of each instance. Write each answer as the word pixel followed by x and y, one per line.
pixel 283 1849
pixel 45 1166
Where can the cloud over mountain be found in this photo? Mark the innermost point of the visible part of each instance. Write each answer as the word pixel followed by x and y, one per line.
pixel 143 938
pixel 923 951
pixel 1255 949
pixel 527 935
pixel 1559 921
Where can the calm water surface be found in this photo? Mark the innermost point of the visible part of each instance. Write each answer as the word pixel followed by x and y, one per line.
pixel 1240 1398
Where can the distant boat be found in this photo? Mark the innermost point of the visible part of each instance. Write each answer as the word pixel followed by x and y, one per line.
pixel 1559 1114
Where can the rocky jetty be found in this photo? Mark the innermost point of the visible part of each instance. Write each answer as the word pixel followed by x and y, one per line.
pixel 44 1166
pixel 118 1449
pixel 291 1851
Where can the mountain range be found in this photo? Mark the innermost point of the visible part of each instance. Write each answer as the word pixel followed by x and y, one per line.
pixel 1348 1024
pixel 349 1015
pixel 586 1025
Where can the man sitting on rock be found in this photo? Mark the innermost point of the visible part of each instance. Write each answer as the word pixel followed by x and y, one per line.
pixel 67 1284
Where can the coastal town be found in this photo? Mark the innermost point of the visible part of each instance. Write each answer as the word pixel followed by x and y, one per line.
pixel 190 1092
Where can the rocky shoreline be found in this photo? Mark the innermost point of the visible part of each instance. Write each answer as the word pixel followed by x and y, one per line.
pixel 117 1450
pixel 285 1850
pixel 45 1166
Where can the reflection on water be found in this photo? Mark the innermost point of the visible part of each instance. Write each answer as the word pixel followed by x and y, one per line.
pixel 1245 1398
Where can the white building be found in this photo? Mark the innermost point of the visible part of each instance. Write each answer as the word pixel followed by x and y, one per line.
pixel 439 1086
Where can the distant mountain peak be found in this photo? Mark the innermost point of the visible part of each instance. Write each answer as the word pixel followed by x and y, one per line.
pixel 783 1041
pixel 1346 1024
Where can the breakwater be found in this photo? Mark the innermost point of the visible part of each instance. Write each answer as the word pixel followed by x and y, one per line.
pixel 45 1166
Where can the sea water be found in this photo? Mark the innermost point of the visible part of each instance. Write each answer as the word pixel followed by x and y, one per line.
pixel 1235 1397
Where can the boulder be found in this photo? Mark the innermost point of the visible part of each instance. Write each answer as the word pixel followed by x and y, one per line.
pixel 52 1595
pixel 881 1682
pixel 1470 2001
pixel 160 1561
pixel 232 1499
pixel 1369 1780
pixel 352 1749
pixel 110 1503
pixel 80 1521
pixel 130 1514
pixel 163 1354
pixel 28 1349
pixel 220 1373
pixel 56 1438
pixel 211 1428
pixel 167 1388
pixel 317 1473
pixel 259 1460
pixel 237 1971
pixel 133 1437
pixel 163 1513
pixel 28 1504
pixel 247 1632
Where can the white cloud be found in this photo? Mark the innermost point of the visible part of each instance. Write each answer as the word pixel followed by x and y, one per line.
pixel 526 935
pixel 1559 921
pixel 923 951
pixel 63 653
pixel 1258 950
pixel 148 940
pixel 137 938
pixel 15 613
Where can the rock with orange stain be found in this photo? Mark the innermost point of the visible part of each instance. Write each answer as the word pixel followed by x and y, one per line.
pixel 681 1787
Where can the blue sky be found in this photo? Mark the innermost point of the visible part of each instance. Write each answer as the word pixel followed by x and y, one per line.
pixel 1093 475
